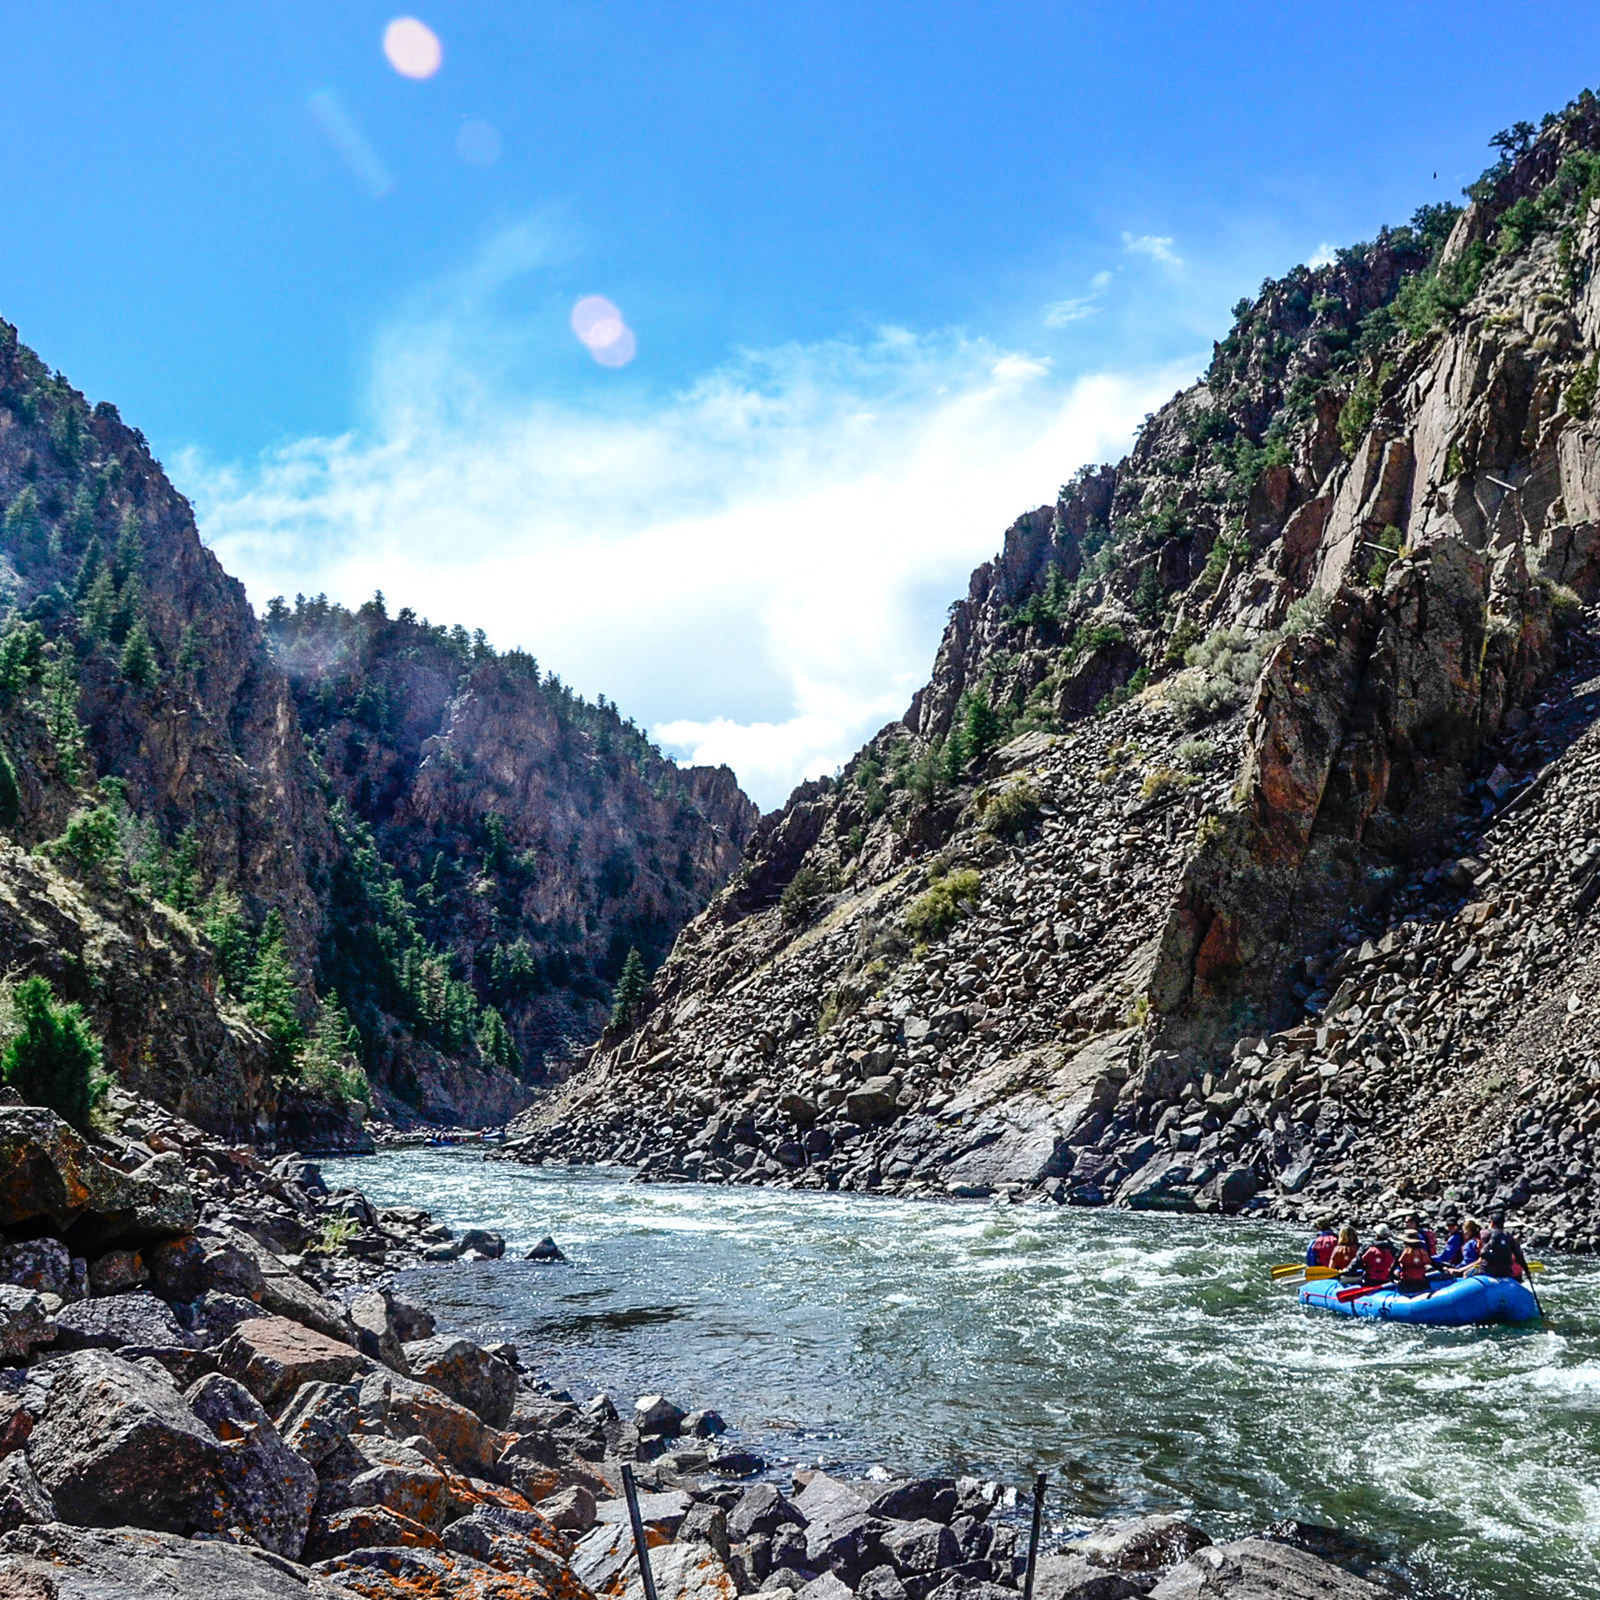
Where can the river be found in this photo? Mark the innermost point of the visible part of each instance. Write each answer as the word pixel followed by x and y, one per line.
pixel 1145 1361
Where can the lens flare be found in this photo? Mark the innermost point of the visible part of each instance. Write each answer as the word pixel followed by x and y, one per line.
pixel 478 143
pixel 413 48
pixel 599 324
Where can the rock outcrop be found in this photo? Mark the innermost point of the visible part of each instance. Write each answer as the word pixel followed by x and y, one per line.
pixel 1172 887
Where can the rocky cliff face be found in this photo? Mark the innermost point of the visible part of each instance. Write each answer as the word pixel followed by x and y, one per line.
pixel 539 838
pixel 1142 898
pixel 459 863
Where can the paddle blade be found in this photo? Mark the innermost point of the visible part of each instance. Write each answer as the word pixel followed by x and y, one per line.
pixel 1287 1270
pixel 1315 1274
pixel 1355 1292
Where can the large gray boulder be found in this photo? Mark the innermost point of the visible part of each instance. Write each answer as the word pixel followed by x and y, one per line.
pixel 1260 1569
pixel 22 1497
pixel 468 1374
pixel 117 1320
pixel 267 1490
pixel 24 1324
pixel 68 1563
pixel 116 1446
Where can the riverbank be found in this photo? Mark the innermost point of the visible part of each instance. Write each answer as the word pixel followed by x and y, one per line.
pixel 259 1382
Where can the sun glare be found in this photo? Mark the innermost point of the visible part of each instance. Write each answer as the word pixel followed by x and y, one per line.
pixel 599 325
pixel 413 48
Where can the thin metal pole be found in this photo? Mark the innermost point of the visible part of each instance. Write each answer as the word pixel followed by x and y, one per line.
pixel 1033 1537
pixel 643 1549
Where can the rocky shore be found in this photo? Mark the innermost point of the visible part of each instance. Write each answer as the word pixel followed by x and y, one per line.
pixel 209 1387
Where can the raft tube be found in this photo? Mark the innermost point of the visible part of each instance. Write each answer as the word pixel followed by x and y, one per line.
pixel 1452 1303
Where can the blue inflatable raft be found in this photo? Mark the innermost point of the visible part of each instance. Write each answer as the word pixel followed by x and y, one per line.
pixel 1452 1303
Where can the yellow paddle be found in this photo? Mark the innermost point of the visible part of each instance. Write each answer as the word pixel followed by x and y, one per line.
pixel 1312 1274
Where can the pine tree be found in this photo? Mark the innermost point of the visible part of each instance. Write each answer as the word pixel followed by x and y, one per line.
pixel 59 688
pixel 10 798
pixel 271 994
pixel 98 607
pixel 632 984
pixel 53 1058
pixel 139 657
pixel 495 1042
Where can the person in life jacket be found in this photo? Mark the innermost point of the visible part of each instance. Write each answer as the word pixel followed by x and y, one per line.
pixel 1454 1244
pixel 1375 1265
pixel 1471 1243
pixel 1430 1240
pixel 1323 1245
pixel 1344 1253
pixel 1500 1255
pixel 1416 1261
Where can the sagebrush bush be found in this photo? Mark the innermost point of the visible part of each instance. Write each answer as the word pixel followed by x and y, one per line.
pixel 1010 810
pixel 1195 755
pixel 942 905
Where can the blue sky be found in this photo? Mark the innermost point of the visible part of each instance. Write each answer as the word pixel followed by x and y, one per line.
pixel 892 271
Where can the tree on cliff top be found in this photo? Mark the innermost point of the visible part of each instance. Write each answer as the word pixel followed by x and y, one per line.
pixel 52 1058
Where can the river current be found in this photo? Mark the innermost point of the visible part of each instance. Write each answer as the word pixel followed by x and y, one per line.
pixel 1144 1361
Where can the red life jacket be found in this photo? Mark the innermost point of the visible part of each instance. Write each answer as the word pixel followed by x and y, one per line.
pixel 1377 1263
pixel 1414 1264
pixel 1322 1248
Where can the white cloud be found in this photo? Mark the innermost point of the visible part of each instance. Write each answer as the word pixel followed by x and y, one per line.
pixel 756 567
pixel 1078 308
pixel 1325 256
pixel 1157 246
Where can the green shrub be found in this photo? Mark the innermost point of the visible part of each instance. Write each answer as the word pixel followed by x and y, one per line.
pixel 52 1058
pixel 1390 546
pixel 1305 614
pixel 10 796
pixel 1159 781
pixel 803 893
pixel 330 1059
pixel 1195 755
pixel 945 901
pixel 91 842
pixel 1010 810
pixel 1228 663
pixel 1579 398
pixel 21 657
pixel 271 994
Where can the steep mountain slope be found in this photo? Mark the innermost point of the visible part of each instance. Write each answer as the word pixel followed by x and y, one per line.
pixel 1199 730
pixel 539 838
pixel 213 890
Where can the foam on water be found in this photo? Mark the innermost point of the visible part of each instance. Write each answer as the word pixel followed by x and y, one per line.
pixel 1145 1359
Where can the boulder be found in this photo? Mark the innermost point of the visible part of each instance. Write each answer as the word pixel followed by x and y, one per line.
pixel 41 1264
pixel 921 1547
pixel 24 1324
pixel 1161 1184
pixel 1260 1569
pixel 272 1357
pixel 911 1499
pixel 49 1174
pixel 216 1315
pixel 546 1250
pixel 481 1242
pixel 964 1587
pixel 873 1100
pixel 117 1271
pixel 120 1319
pixel 655 1416
pixel 23 1500
pixel 268 1490
pixel 468 1374
pixel 459 1435
pixel 882 1583
pixel 663 1511
pixel 572 1510
pixel 319 1417
pixel 761 1509
pixel 372 1318
pixel 681 1572
pixel 1146 1545
pixel 117 1445
pixel 134 1564
pixel 709 1525
pixel 365 1528
pixel 513 1541
pixel 1074 1578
